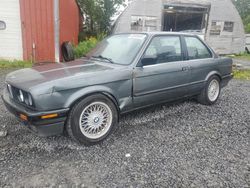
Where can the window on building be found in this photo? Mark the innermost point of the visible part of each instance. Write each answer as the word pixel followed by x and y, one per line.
pixel 164 49
pixel 151 23
pixel 228 26
pixel 2 25
pixel 136 23
pixel 216 27
pixel 196 49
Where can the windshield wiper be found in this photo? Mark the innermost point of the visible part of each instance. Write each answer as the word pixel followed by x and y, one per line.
pixel 104 58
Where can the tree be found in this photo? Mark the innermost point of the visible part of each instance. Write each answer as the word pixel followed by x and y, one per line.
pixel 98 14
pixel 243 7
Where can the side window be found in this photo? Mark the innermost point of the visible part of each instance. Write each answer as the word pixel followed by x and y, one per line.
pixel 164 49
pixel 228 26
pixel 136 23
pixel 196 49
pixel 2 25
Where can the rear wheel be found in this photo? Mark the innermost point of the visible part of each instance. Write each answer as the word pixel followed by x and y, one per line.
pixel 92 119
pixel 210 94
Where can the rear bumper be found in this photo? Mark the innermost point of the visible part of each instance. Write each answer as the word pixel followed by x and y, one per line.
pixel 34 122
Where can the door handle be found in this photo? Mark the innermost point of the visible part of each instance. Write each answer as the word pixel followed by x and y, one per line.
pixel 185 68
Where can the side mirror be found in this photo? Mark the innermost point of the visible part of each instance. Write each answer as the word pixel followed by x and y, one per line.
pixel 149 60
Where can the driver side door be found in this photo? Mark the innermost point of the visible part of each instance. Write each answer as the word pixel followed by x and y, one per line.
pixel 162 75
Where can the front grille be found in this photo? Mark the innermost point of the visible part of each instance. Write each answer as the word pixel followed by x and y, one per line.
pixel 15 92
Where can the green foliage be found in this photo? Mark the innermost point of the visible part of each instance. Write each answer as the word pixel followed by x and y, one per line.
pixel 242 74
pixel 243 7
pixel 84 47
pixel 4 64
pixel 247 28
pixel 98 14
pixel 244 56
pixel 246 21
pixel 101 36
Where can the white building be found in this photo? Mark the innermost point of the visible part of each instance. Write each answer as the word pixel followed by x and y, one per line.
pixel 217 21
pixel 10 30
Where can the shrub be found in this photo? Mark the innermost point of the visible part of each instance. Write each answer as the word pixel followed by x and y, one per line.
pixel 84 47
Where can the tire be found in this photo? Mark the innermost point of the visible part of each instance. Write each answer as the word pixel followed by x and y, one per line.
pixel 92 119
pixel 67 52
pixel 205 96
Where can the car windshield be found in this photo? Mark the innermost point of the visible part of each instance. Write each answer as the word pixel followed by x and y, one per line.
pixel 119 49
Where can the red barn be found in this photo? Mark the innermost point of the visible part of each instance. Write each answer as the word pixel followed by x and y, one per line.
pixel 44 26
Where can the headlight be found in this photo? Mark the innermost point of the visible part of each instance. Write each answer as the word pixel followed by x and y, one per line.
pixel 25 97
pixel 28 100
pixel 20 96
pixel 9 87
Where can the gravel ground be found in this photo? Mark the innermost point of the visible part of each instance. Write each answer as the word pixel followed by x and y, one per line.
pixel 180 145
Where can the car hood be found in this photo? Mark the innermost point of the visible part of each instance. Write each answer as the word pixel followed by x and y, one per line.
pixel 60 76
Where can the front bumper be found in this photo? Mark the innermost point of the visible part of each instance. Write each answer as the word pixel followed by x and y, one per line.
pixel 42 127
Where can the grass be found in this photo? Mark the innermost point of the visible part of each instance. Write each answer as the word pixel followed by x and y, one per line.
pixel 4 64
pixel 243 56
pixel 242 74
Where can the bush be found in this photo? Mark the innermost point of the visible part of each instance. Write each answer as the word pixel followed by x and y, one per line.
pixel 84 47
pixel 247 28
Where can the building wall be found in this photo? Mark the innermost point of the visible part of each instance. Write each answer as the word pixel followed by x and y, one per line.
pixel 139 8
pixel 38 30
pixel 69 21
pixel 11 38
pixel 226 42
pixel 221 10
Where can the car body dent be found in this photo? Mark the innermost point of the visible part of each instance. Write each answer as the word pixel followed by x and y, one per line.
pixel 65 97
pixel 120 92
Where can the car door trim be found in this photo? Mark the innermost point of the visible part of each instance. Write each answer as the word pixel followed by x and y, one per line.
pixel 167 89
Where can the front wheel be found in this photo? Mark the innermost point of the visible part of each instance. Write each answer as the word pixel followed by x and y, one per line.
pixel 92 119
pixel 210 94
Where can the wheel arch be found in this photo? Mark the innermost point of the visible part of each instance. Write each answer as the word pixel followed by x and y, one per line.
pixel 81 94
pixel 213 73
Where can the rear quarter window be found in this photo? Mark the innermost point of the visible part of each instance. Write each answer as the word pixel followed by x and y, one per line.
pixel 196 49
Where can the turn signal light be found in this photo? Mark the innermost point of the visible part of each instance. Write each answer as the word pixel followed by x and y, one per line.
pixel 49 116
pixel 23 117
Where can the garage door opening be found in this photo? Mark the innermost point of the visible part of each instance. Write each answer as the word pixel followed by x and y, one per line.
pixel 185 18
